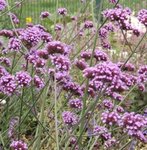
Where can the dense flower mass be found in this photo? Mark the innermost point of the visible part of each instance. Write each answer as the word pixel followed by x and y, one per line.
pixel 31 36
pixel 75 103
pixel 62 11
pixel 142 16
pixel 45 14
pixel 18 145
pixel 2 5
pixel 69 118
pixel 14 44
pixel 133 125
pixel 23 78
pixel 8 84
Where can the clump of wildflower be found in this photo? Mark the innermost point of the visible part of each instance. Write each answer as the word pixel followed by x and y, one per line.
pixel 3 5
pixel 44 14
pixel 23 78
pixel 5 61
pixel 8 84
pixel 14 44
pixel 61 62
pixel 18 145
pixel 110 118
pixel 102 132
pixel 81 64
pixel 69 118
pixel 127 66
pixel 31 36
pixel 142 16
pixel 88 24
pixel 76 103
pixel 108 104
pixel 42 54
pixel 6 33
pixel 58 27
pixel 62 11
pixel 100 55
pixel 46 37
pixel 14 18
pixel 133 124
pixel 38 82
pixel 86 55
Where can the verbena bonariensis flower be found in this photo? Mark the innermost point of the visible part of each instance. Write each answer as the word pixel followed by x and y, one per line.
pixel 133 124
pixel 23 78
pixel 62 11
pixel 5 61
pixel 142 16
pixel 108 104
pixel 142 77
pixel 127 66
pixel 12 124
pixel 38 82
pixel 58 27
pixel 102 132
pixel 110 118
pixel 57 47
pixel 42 54
pixel 46 37
pixel 6 33
pixel 119 15
pixel 61 62
pixel 31 36
pixel 81 64
pixel 73 87
pixel 44 14
pixel 88 24
pixel 18 145
pixel 86 55
pixel 69 118
pixel 99 55
pixel 76 103
pixel 103 33
pixel 14 18
pixel 36 60
pixel 3 5
pixel 107 77
pixel 14 44
pixel 8 84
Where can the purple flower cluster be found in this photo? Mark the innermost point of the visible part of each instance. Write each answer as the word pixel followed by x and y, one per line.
pixel 108 104
pixel 23 78
pixel 69 118
pixel 18 145
pixel 107 77
pixel 119 15
pixel 3 5
pixel 88 24
pixel 110 118
pixel 5 61
pixel 81 64
pixel 133 124
pixel 14 44
pixel 142 16
pixel 14 18
pixel 142 77
pixel 126 67
pixel 76 103
pixel 8 84
pixel 30 36
pixel 44 14
pixel 62 11
pixel 6 33
pixel 38 82
pixel 102 131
